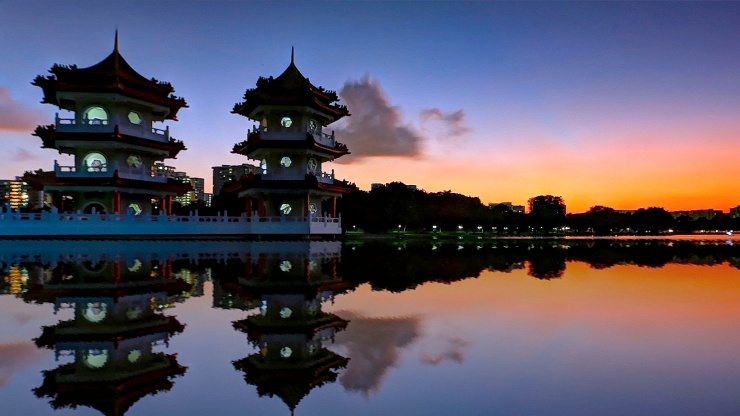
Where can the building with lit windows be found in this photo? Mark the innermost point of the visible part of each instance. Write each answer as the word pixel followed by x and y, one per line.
pixel 227 173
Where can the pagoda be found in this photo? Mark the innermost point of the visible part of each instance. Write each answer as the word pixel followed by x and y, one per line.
pixel 287 286
pixel 112 135
pixel 110 341
pixel 292 144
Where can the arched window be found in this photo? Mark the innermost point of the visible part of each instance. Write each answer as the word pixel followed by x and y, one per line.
pixel 134 117
pixel 95 114
pixel 95 162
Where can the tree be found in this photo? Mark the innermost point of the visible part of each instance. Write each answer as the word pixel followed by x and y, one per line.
pixel 546 211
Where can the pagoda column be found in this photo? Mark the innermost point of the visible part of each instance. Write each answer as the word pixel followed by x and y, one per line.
pixel 116 271
pixel 116 202
pixel 161 205
pixel 168 204
pixel 56 200
pixel 333 207
pixel 307 205
pixel 261 205
pixel 249 206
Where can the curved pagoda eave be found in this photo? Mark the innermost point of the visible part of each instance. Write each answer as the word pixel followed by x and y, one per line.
pixel 50 136
pixel 43 180
pixel 255 183
pixel 111 75
pixel 254 142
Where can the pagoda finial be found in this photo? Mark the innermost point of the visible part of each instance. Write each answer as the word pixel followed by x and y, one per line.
pixel 115 42
pixel 292 55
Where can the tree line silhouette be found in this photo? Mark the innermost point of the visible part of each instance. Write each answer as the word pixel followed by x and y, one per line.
pixel 395 207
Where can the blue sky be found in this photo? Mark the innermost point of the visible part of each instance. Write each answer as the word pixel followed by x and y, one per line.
pixel 621 104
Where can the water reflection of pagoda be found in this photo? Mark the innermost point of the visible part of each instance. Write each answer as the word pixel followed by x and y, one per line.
pixel 288 286
pixel 109 344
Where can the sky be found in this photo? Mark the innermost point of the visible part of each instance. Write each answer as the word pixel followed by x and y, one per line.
pixel 622 104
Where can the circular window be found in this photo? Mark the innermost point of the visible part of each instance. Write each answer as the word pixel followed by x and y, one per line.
pixel 95 114
pixel 134 161
pixel 134 356
pixel 313 208
pixel 285 266
pixel 95 162
pixel 95 312
pixel 135 208
pixel 133 313
pixel 134 117
pixel 286 352
pixel 312 165
pixel 286 122
pixel 285 162
pixel 95 358
pixel 285 313
pixel 285 209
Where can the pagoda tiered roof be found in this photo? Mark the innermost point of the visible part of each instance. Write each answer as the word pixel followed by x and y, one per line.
pixel 254 142
pixel 111 75
pixel 40 179
pixel 50 135
pixel 290 88
pixel 310 182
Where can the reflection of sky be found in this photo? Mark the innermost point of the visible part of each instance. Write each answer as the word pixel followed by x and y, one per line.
pixel 623 340
pixel 559 98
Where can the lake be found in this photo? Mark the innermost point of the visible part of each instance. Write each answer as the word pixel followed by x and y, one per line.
pixel 481 327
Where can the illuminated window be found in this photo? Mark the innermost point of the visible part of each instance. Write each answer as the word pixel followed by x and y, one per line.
pixel 285 162
pixel 95 114
pixel 285 313
pixel 134 356
pixel 313 208
pixel 285 209
pixel 95 358
pixel 312 126
pixel 312 164
pixel 134 161
pixel 95 312
pixel 285 266
pixel 134 117
pixel 286 122
pixel 133 312
pixel 263 165
pixel 286 352
pixel 95 162
pixel 135 208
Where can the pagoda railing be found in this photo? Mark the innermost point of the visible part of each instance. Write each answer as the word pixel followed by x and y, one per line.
pixel 71 125
pixel 14 223
pixel 325 177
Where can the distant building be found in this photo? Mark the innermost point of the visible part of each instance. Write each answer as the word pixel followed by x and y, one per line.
pixel 382 185
pixel 735 212
pixel 513 208
pixel 227 173
pixel 17 194
pixel 195 194
pixel 696 214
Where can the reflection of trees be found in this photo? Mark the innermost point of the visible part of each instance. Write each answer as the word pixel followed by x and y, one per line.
pixel 398 268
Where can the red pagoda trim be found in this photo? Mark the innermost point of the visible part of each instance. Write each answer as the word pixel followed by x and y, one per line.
pixel 49 135
pixel 290 88
pixel 111 75
pixel 254 142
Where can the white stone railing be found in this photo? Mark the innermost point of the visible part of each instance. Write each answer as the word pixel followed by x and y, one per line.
pixel 73 171
pixel 17 224
pixel 162 132
pixel 325 177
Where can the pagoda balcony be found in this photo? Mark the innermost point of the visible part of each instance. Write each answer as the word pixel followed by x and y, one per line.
pixel 71 125
pixel 291 133
pixel 290 174
pixel 107 171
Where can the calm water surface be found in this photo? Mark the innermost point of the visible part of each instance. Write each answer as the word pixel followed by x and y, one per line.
pixel 328 328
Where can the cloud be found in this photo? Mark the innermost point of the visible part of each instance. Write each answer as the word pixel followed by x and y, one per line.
pixel 454 353
pixel 14 356
pixel 372 345
pixel 453 123
pixel 376 127
pixel 15 116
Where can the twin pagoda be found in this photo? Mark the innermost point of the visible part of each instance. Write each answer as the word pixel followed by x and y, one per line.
pixel 113 131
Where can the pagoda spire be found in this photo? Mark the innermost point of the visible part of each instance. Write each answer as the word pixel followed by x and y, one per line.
pixel 115 42
pixel 292 55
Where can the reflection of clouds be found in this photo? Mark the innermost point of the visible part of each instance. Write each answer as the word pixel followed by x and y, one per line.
pixel 372 346
pixel 13 356
pixel 454 352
